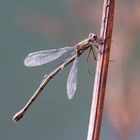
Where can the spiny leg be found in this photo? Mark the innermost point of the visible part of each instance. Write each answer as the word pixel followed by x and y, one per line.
pixel 91 50
pixel 100 50
pixel 87 57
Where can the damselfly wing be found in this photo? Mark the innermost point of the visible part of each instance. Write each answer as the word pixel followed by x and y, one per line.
pixel 46 56
pixel 72 80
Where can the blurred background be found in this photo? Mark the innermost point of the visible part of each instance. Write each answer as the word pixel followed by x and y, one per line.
pixel 30 25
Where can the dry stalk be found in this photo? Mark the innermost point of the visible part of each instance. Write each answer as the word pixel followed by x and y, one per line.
pixel 101 71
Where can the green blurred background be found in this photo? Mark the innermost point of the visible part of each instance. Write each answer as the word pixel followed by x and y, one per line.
pixel 28 26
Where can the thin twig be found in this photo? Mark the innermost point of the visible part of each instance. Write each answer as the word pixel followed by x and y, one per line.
pixel 101 71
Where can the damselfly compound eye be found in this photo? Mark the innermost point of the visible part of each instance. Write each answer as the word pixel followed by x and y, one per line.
pixel 93 37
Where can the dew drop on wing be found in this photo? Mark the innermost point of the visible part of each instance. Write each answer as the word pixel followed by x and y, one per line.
pixel 72 80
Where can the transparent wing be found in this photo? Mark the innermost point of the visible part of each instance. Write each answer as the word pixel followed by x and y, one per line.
pixel 45 56
pixel 72 80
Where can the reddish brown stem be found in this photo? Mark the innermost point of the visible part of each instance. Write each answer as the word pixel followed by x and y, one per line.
pixel 101 71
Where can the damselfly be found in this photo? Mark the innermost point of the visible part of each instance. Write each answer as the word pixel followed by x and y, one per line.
pixel 46 56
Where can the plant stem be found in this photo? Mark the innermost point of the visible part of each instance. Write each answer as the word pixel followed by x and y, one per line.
pixel 101 71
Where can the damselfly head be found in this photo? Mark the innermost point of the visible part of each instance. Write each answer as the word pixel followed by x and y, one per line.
pixel 93 37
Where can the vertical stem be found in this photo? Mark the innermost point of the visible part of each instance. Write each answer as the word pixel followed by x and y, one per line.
pixel 101 71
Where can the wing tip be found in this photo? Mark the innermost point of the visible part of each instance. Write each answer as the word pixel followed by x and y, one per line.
pixel 29 61
pixel 26 62
pixel 70 97
pixel 70 93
